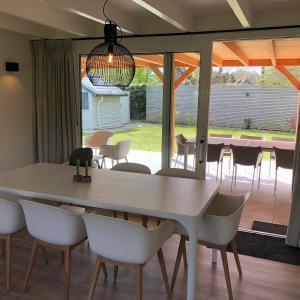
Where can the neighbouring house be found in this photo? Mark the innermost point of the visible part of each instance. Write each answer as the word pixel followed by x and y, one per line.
pixel 103 106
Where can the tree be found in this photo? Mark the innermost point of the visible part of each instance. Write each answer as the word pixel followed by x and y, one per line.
pixel 145 76
pixel 273 77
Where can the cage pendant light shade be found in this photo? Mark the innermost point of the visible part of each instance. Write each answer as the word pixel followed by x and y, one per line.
pixel 110 63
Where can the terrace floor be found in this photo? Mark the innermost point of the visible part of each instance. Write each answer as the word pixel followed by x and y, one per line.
pixel 262 205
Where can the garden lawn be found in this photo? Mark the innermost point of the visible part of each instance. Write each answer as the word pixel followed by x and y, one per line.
pixel 147 137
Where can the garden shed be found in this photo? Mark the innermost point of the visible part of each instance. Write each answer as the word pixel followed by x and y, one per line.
pixel 103 107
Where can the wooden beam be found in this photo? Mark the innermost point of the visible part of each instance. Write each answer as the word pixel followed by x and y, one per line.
pixel 157 72
pixel 217 60
pixel 292 79
pixel 157 59
pixel 183 76
pixel 271 48
pixel 237 52
pixel 168 11
pixel 242 11
pixel 262 62
pixel 186 60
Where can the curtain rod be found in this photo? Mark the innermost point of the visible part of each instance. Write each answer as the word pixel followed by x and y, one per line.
pixel 196 32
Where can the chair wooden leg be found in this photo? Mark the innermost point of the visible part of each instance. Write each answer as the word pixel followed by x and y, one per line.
pixel 95 277
pixel 177 263
pixel 275 185
pixel 44 254
pixel 185 264
pixel 226 271
pixel 3 247
pixel 253 180
pixel 8 261
pixel 116 268
pixel 67 253
pixel 236 256
pixel 161 259
pixel 126 216
pixel 139 282
pixel 235 175
pixel 31 263
pixel 62 257
pixel 145 221
pixel 221 177
pixel 259 173
pixel 217 171
pixel 104 270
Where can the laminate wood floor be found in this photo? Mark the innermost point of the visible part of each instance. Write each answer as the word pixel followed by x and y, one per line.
pixel 262 279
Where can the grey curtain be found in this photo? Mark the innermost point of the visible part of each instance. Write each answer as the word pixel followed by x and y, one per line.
pixel 293 235
pixel 55 110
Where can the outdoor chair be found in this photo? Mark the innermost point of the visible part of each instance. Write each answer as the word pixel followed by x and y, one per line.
pixel 272 154
pixel 284 159
pixel 246 156
pixel 215 153
pixel 180 141
pixel 115 152
pixel 217 229
pixel 98 139
pixel 227 151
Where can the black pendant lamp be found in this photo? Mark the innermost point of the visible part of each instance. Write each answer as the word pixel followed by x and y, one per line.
pixel 110 63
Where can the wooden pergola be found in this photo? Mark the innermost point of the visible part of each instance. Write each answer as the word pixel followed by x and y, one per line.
pixel 280 54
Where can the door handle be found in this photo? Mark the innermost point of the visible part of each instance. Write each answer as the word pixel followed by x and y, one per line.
pixel 201 144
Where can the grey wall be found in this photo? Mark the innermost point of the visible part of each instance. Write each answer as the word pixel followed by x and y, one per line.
pixel 15 102
pixel 269 108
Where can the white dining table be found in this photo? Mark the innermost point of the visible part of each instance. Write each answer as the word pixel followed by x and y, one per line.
pixel 182 200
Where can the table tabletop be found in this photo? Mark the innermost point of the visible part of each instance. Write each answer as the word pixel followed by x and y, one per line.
pixel 138 193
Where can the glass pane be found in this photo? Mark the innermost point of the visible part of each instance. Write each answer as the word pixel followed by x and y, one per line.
pixel 133 114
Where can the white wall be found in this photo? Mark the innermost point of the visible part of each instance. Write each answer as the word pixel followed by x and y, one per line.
pixel 16 145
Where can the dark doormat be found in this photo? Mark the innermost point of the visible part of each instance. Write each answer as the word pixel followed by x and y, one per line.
pixel 269 227
pixel 267 247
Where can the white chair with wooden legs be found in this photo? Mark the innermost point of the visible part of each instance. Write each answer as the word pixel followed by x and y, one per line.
pixel 176 172
pixel 126 243
pixel 217 229
pixel 56 228
pixel 12 221
pixel 132 168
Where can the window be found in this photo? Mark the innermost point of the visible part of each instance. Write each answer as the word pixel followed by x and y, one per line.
pixel 85 101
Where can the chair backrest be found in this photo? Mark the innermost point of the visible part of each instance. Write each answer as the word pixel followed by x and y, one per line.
pixel 83 154
pixel 11 216
pixel 219 135
pixel 124 241
pixel 53 224
pixel 98 139
pixel 252 137
pixel 247 156
pixel 215 152
pixel 280 139
pixel 132 167
pixel 176 172
pixel 284 158
pixel 222 218
pixel 123 148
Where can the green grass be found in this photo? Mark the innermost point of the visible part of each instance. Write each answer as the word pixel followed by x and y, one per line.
pixel 147 136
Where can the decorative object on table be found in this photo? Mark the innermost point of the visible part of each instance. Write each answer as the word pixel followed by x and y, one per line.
pixel 77 177
pixel 109 63
pixel 86 178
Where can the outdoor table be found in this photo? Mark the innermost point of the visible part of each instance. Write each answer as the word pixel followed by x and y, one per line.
pixel 266 146
pixel 179 199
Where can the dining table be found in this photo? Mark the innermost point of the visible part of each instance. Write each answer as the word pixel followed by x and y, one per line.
pixel 178 199
pixel 266 146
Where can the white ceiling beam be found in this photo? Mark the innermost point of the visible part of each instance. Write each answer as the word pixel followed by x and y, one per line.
pixel 41 13
pixel 169 12
pixel 242 11
pixel 92 10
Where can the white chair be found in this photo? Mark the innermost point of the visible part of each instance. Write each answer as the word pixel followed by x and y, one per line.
pixel 132 168
pixel 115 152
pixel 217 229
pixel 126 243
pixel 55 228
pixel 11 222
pixel 176 172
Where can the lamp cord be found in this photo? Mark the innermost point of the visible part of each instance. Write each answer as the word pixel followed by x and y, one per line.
pixel 111 21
